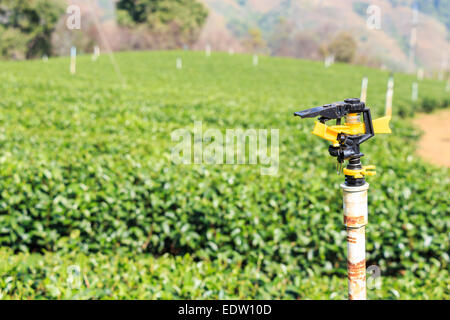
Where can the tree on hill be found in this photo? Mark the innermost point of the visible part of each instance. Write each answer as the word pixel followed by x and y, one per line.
pixel 343 47
pixel 168 19
pixel 26 27
pixel 254 41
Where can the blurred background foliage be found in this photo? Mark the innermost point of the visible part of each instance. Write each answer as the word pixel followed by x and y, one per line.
pixel 26 27
pixel 170 23
pixel 30 29
pixel 302 29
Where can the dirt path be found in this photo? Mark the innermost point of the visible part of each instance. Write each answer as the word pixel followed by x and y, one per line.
pixel 434 146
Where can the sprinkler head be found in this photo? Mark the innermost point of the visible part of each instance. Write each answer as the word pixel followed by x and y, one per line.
pixel 346 139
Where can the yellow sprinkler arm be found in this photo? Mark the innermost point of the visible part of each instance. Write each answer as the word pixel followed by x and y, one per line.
pixel 347 137
pixel 330 133
pixel 346 140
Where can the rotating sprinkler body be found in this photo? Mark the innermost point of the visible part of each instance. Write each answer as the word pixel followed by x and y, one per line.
pixel 346 140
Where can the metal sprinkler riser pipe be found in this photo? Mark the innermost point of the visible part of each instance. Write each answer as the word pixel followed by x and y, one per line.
pixel 355 220
pixel 346 139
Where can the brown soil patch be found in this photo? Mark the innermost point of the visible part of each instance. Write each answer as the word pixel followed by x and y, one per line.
pixel 434 146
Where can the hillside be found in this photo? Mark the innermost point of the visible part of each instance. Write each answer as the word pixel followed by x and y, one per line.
pixel 324 19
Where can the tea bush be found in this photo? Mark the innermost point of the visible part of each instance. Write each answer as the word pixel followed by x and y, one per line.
pixel 86 166
pixel 99 276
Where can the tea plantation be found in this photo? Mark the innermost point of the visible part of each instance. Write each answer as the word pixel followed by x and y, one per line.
pixel 86 179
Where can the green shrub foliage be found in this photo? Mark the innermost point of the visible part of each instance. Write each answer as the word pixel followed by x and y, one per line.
pixel 26 27
pixel 86 165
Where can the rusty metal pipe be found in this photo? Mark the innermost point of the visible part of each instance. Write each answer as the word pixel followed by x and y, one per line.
pixel 355 220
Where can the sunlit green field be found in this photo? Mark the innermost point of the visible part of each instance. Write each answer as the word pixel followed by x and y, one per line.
pixel 87 180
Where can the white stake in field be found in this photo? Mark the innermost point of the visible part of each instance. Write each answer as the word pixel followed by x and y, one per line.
pixel 329 60
pixel 208 50
pixel 389 96
pixel 96 53
pixel 420 74
pixel 255 60
pixel 364 83
pixel 179 63
pixel 415 92
pixel 73 60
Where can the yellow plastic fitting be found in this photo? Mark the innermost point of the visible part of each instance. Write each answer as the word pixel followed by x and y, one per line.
pixel 365 171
